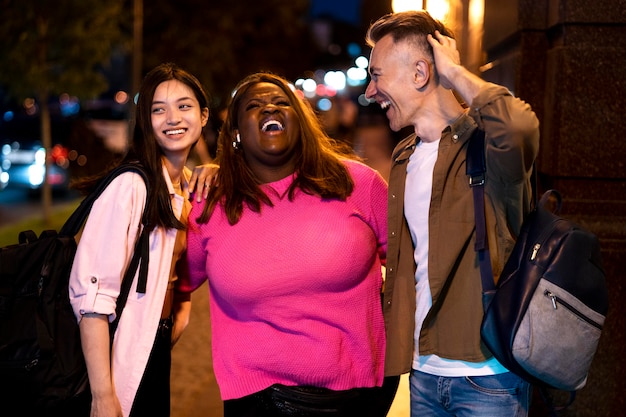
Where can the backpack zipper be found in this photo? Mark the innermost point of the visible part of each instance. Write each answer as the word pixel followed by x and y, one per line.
pixel 535 250
pixel 542 238
pixel 555 299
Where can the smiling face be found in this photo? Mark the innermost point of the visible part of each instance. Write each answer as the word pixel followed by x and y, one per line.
pixel 270 131
pixel 393 81
pixel 177 118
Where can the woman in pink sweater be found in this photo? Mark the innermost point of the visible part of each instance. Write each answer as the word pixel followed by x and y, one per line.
pixel 292 239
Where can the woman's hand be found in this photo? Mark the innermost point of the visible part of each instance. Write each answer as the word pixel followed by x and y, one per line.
pixel 106 406
pixel 201 179
pixel 182 313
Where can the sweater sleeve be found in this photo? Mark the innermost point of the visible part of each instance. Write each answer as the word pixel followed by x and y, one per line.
pixel 196 252
pixel 372 197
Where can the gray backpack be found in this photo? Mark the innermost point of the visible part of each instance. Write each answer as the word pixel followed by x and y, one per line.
pixel 544 318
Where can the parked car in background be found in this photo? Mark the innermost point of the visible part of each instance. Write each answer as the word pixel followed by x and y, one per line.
pixel 85 141
pixel 24 161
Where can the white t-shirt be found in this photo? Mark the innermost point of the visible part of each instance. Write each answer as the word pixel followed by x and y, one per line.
pixel 418 191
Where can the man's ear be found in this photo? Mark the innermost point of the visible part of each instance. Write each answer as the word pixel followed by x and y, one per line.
pixel 422 73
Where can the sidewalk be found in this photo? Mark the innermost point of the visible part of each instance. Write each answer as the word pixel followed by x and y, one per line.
pixel 194 389
pixel 401 405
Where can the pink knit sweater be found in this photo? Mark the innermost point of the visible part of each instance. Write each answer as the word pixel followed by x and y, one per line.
pixel 295 290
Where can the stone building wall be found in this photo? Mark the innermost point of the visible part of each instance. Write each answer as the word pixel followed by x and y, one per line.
pixel 567 58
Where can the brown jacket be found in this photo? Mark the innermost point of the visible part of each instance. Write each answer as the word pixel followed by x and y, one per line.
pixel 452 326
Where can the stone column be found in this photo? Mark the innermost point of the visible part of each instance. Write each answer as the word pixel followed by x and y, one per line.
pixel 567 58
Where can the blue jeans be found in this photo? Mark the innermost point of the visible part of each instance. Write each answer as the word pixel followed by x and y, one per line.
pixel 502 395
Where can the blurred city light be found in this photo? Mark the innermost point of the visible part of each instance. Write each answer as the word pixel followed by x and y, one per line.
pixel 356 76
pixel 59 155
pixel 40 156
pixel 6 148
pixel 324 104
pixel 362 62
pixel 336 80
pixel 69 105
pixel 121 97
pixel 354 49
pixel 36 174
pixel 37 171
pixel 29 106
pixel 364 101
pixel 309 86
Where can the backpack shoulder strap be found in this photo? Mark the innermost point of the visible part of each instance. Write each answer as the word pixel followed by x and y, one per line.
pixel 77 219
pixel 476 169
pixel 141 251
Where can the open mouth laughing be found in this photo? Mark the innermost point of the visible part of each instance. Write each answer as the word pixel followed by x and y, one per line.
pixel 272 125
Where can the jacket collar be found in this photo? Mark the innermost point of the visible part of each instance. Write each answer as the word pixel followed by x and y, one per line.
pixel 404 149
pixel 461 128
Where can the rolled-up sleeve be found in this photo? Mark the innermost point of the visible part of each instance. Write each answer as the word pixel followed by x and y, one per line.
pixel 512 132
pixel 106 246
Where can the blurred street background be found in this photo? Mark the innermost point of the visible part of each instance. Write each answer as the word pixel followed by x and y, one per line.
pixel 69 71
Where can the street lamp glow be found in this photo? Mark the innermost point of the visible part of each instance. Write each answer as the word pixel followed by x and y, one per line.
pixel 438 9
pixel 405 5
pixel 476 12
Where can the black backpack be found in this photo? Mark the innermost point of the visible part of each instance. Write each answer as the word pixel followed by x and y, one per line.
pixel 544 318
pixel 42 368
